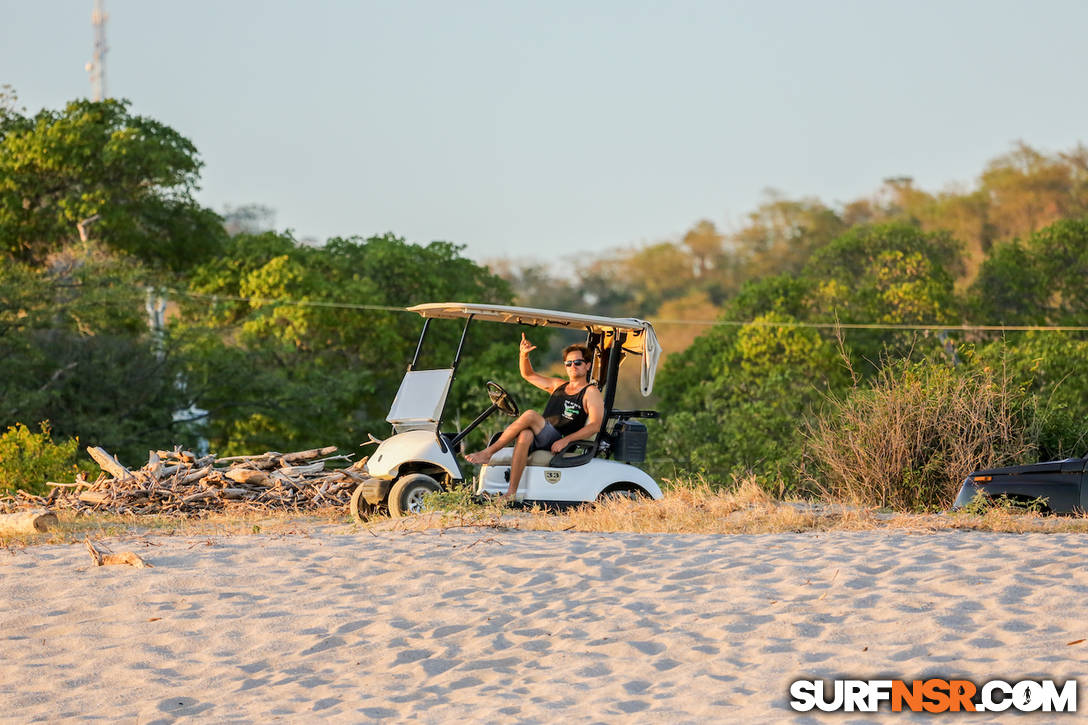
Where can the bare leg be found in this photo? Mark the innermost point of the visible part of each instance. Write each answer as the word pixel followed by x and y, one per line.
pixel 529 420
pixel 520 458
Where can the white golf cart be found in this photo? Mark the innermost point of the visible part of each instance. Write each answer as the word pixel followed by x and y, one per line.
pixel 419 458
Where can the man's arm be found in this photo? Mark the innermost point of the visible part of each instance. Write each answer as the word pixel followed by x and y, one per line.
pixel 541 381
pixel 595 411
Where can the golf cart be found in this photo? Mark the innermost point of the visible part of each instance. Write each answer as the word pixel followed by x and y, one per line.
pixel 419 458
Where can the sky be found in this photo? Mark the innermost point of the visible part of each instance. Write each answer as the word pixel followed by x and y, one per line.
pixel 541 130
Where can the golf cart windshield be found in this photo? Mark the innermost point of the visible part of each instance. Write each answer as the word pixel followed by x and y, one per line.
pixel 420 400
pixel 639 337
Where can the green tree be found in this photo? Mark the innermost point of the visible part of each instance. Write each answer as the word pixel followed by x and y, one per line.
pixel 734 401
pixel 1011 288
pixel 1028 190
pixel 781 235
pixel 1053 367
pixel 889 274
pixel 96 170
pixel 1038 280
pixel 1061 252
pixel 74 350
pixel 657 273
pixel 280 369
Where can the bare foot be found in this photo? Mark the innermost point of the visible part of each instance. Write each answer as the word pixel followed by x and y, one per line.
pixel 479 458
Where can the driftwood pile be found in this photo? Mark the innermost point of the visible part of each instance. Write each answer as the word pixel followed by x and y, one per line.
pixel 180 482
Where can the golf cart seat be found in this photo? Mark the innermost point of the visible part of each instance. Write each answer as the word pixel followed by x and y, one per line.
pixel 506 456
pixel 544 458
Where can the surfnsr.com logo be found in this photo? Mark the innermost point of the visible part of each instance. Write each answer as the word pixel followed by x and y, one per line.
pixel 933 695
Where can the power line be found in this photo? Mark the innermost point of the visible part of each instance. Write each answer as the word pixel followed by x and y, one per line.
pixel 702 323
pixel 878 326
pixel 282 301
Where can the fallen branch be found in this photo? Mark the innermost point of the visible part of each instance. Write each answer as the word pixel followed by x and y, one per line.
pixel 27 522
pixel 108 558
pixel 108 463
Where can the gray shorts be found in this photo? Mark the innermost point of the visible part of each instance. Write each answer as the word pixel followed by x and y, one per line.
pixel 543 440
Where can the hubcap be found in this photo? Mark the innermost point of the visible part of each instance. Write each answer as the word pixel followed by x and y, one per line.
pixel 415 499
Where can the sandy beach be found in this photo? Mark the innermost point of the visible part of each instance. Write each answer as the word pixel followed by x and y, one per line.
pixel 515 626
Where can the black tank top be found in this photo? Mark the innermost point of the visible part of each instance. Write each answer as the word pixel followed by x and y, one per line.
pixel 566 411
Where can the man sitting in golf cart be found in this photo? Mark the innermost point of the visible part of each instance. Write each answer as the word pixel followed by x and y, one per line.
pixel 574 411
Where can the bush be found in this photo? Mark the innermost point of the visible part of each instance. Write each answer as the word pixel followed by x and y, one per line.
pixel 907 441
pixel 1053 366
pixel 744 392
pixel 28 460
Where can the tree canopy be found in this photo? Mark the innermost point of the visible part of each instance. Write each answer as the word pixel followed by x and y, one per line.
pixel 95 169
pixel 274 366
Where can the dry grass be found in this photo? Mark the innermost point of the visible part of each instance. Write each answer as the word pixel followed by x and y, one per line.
pixel 74 527
pixel 746 508
pixel 906 442
pixel 694 506
pixel 689 507
pixel 697 507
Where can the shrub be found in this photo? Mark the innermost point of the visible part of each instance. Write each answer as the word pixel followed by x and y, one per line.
pixel 462 507
pixel 907 441
pixel 982 504
pixel 745 391
pixel 1053 366
pixel 28 460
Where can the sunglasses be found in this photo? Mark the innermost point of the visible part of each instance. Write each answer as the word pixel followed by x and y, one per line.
pixel 570 363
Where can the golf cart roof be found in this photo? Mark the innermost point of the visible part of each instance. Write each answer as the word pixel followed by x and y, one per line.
pixel 641 339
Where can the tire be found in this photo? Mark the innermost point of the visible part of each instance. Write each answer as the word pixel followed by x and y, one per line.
pixel 361 509
pixel 631 493
pixel 406 496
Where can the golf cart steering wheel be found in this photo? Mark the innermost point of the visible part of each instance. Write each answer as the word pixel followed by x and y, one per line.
pixel 502 399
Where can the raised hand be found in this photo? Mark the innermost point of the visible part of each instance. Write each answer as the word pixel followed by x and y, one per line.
pixel 526 346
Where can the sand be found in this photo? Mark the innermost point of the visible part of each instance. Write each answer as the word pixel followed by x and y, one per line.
pixel 512 626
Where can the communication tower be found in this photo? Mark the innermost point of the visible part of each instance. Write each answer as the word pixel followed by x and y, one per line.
pixel 97 67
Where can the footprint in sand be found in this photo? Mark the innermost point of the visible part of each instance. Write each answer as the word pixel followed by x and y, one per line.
pixel 447 630
pixel 1014 594
pixel 596 670
pixel 438 666
pixel 632 706
pixel 183 706
pixel 411 655
pixel 379 713
pixel 648 648
pixel 324 646
pixel 465 682
pixel 505 665
pixel 349 627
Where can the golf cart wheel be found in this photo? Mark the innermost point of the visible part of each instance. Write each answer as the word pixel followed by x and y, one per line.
pixel 622 493
pixel 361 509
pixel 406 496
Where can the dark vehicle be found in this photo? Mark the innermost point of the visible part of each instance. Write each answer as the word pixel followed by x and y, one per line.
pixel 1051 487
